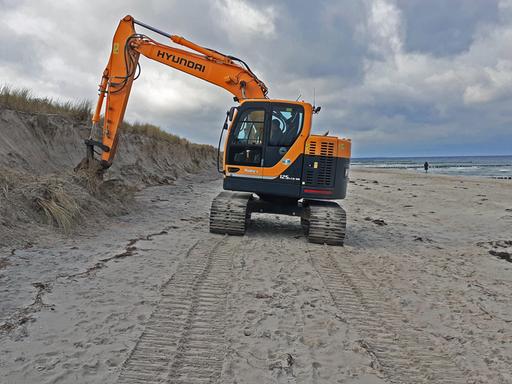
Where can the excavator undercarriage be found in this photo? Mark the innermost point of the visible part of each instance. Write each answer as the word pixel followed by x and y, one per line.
pixel 322 221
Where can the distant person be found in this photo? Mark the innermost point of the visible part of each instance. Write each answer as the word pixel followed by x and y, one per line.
pixel 425 166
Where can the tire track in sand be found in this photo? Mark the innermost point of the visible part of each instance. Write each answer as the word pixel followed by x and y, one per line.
pixel 402 353
pixel 183 341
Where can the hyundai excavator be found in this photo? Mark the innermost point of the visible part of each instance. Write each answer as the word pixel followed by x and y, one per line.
pixel 272 163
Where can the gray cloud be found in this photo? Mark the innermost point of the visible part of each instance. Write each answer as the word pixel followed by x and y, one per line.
pixel 399 77
pixel 445 28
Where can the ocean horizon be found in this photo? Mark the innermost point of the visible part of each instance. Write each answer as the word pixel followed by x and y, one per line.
pixel 499 167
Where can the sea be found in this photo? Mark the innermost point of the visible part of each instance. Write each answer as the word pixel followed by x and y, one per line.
pixel 497 167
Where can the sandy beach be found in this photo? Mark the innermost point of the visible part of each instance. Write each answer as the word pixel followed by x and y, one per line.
pixel 123 259
pixel 420 293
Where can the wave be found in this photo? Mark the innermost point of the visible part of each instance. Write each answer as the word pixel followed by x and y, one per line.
pixel 469 166
pixel 412 166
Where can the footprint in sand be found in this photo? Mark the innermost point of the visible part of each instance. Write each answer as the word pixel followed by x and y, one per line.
pixel 499 248
pixel 376 221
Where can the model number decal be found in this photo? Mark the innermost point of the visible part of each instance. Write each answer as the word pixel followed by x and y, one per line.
pixel 286 177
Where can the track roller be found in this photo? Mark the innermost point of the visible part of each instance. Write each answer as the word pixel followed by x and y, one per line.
pixel 229 213
pixel 324 222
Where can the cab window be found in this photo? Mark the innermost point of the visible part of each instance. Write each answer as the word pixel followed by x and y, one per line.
pixel 250 127
pixel 246 144
pixel 286 125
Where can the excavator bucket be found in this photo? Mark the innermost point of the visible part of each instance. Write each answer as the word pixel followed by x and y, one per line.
pixel 90 166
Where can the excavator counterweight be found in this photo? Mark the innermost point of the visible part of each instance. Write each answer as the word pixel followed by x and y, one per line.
pixel 272 163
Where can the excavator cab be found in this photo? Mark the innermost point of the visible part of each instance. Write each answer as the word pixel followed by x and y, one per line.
pixel 270 151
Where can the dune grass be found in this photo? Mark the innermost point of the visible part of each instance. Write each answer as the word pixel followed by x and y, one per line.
pixel 22 99
pixel 153 131
pixel 52 198
pixel 59 208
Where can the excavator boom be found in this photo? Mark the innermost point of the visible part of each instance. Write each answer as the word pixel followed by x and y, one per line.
pixel 224 71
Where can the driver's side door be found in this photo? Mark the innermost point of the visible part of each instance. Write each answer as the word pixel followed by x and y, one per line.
pixel 245 149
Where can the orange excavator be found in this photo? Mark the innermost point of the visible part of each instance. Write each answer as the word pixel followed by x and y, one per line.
pixel 271 161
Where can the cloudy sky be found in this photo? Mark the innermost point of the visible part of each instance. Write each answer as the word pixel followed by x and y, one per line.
pixel 399 77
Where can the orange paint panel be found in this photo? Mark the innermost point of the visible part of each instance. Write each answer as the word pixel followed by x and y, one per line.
pixel 321 146
pixel 292 102
pixel 118 87
pixel 344 148
pixel 330 146
pixel 225 75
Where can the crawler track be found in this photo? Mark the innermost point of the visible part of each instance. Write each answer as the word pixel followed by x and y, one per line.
pixel 183 341
pixel 229 213
pixel 325 222
pixel 403 354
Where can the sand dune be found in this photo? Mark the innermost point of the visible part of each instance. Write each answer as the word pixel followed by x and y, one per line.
pixel 38 152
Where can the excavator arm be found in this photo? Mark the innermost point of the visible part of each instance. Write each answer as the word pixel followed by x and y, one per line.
pixel 122 69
